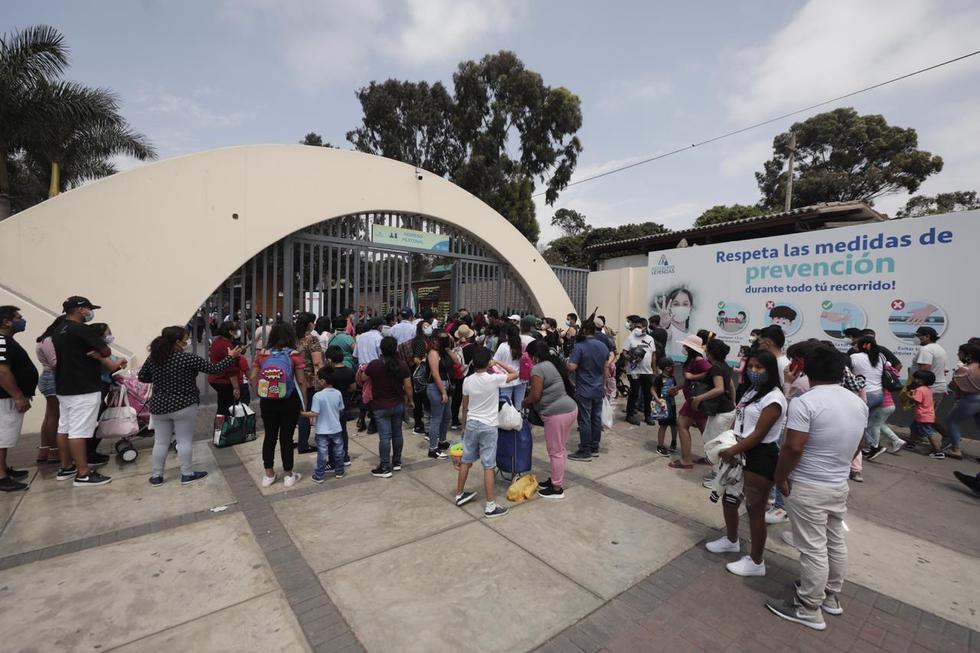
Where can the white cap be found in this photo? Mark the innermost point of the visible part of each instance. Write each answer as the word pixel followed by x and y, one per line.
pixel 515 317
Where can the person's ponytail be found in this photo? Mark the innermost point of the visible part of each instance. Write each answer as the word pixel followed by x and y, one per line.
pixel 163 345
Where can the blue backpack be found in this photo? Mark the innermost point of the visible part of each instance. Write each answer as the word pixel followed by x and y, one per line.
pixel 276 375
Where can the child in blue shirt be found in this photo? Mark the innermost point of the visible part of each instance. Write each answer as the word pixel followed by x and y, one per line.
pixel 326 411
pixel 666 387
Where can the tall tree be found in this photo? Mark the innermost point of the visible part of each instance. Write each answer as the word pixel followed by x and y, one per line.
pixel 570 221
pixel 841 156
pixel 501 131
pixel 315 140
pixel 27 58
pixel 721 213
pixel 568 251
pixel 920 205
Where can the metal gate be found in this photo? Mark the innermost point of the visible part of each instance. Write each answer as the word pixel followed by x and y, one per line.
pixel 575 281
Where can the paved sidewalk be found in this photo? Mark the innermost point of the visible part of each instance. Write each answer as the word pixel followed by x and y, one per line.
pixel 391 564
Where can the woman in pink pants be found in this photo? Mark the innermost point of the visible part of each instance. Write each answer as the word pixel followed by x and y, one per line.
pixel 550 394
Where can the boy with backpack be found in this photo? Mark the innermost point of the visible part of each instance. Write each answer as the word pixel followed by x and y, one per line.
pixel 481 392
pixel 326 414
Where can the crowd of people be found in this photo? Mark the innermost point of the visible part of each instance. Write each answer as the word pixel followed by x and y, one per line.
pixel 797 422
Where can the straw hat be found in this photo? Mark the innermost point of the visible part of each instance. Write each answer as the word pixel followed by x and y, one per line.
pixel 464 332
pixel 691 341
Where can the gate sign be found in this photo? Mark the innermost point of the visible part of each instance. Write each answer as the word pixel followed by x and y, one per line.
pixel 893 277
pixel 401 237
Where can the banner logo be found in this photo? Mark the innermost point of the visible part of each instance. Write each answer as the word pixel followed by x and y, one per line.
pixel 663 266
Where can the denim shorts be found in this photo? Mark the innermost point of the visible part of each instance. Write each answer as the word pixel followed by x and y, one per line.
pixel 45 384
pixel 480 442
pixel 921 429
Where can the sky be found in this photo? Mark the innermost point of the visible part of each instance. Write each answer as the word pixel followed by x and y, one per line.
pixel 652 76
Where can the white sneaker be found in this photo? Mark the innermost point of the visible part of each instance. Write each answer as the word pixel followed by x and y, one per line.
pixel 787 538
pixel 722 545
pixel 746 567
pixel 292 479
pixel 269 480
pixel 776 516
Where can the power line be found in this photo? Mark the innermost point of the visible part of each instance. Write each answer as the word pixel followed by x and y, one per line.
pixel 766 122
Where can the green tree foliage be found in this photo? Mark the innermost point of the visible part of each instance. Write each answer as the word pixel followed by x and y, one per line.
pixel 920 205
pixel 571 222
pixel 568 251
pixel 500 131
pixel 841 156
pixel 315 140
pixel 622 232
pixel 54 134
pixel 721 213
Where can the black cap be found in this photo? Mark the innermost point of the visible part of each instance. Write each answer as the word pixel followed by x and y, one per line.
pixel 407 313
pixel 853 332
pixel 77 302
pixel 927 331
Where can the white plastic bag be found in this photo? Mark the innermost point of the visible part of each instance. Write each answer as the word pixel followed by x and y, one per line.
pixel 241 410
pixel 607 413
pixel 509 418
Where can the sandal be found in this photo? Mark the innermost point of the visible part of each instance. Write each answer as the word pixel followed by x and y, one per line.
pixel 955 455
pixel 677 464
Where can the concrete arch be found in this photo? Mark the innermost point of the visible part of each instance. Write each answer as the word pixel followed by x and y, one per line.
pixel 150 244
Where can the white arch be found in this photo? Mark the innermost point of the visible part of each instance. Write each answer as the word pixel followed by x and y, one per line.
pixel 150 244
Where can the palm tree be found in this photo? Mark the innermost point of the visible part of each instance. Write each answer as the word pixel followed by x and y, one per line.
pixel 27 58
pixel 81 132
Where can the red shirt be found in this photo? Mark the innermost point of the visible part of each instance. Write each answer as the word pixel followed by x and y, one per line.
pixel 925 409
pixel 219 349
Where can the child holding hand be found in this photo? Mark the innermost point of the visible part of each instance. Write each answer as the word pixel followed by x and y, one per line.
pixel 325 414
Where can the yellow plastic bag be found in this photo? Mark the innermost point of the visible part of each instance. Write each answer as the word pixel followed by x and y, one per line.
pixel 522 489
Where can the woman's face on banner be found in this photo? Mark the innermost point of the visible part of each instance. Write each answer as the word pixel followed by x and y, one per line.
pixel 680 306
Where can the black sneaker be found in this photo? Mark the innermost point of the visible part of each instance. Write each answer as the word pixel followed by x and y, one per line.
pixel 194 476
pixel 632 419
pixel 420 429
pixel 544 484
pixel 551 492
pixel 455 426
pixel 361 426
pixel 156 481
pixel 876 452
pixel 673 448
pixel 347 462
pixel 381 472
pixel 396 467
pixel 580 455
pixel 94 478
pixel 937 455
pixel 65 474
pixel 97 459
pixel 971 482
pixel 910 446
pixel 305 449
pixel 437 454
pixel 17 473
pixel 498 511
pixel 650 421
pixel 595 453
pixel 465 498
pixel 8 484
pixel 444 445
pixel 662 450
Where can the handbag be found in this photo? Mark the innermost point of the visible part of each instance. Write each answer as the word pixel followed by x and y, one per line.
pixel 534 417
pixel 890 380
pixel 236 427
pixel 715 406
pixel 119 419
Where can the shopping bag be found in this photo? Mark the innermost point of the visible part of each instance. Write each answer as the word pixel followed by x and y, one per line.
pixel 522 489
pixel 607 413
pixel 119 419
pixel 236 427
pixel 509 418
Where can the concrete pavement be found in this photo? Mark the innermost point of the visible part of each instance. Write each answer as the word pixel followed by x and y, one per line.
pixel 391 564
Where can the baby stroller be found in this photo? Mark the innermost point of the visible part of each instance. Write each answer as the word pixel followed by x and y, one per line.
pixel 138 396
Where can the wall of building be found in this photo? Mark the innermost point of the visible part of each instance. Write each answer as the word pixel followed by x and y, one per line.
pixel 620 262
pixel 618 293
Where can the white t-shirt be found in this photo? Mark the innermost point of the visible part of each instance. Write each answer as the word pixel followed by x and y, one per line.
pixel 503 355
pixel 747 414
pixel 935 356
pixel 861 365
pixel 835 419
pixel 483 389
pixel 644 366
pixel 783 363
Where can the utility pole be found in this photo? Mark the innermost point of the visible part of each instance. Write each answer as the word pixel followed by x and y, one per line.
pixel 789 177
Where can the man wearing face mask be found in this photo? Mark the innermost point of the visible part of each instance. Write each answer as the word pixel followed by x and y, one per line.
pixel 78 382
pixel 18 381
pixel 639 350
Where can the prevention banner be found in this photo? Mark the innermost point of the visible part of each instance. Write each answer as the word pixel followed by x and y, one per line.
pixel 892 277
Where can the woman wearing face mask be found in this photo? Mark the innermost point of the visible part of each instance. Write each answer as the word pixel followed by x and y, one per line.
pixel 227 383
pixel 695 369
pixel 48 451
pixel 759 418
pixel 440 362
pixel 675 316
pixel 420 348
pixel 110 366
pixel 966 385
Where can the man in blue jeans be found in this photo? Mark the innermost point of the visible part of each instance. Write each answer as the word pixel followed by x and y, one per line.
pixel 588 361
